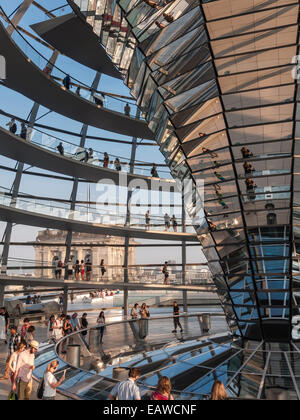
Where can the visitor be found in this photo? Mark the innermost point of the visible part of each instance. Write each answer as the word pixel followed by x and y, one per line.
pixel 67 82
pixel 12 365
pixel 169 18
pixel 25 326
pixel 145 314
pixel 222 203
pixel 58 328
pixel 127 390
pixel 50 382
pixel 13 342
pixel 165 271
pixel 105 160
pixel 134 311
pixel 30 333
pixel 160 25
pixel 101 322
pixel 24 368
pixel 4 324
pixel 59 269
pixel 154 171
pixel 117 164
pixel 72 296
pixel 68 327
pixel 167 222
pixel 174 223
pixel 163 390
pixel 246 152
pixel 23 133
pixel 78 91
pixel 50 329
pixel 219 176
pixel 75 322
pixel 210 152
pixel 250 184
pixel 248 168
pixel 60 148
pixel 176 311
pixel 28 300
pixel 82 269
pixel 212 226
pixel 69 269
pixel 217 164
pixel 218 392
pixel 88 269
pixel 99 99
pixel 147 220
pixel 77 270
pixel 61 301
pixel 90 154
pixel 127 110
pixel 102 268
pixel 83 326
pixel 12 126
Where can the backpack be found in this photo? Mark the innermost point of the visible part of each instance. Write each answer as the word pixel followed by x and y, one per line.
pixel 14 128
pixel 40 390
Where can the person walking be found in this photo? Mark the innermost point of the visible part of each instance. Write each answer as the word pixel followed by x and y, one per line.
pixel 210 152
pixel 50 382
pixel 163 390
pixel 4 324
pixel 219 176
pixel 101 322
pixel 14 340
pixel 176 311
pixel 30 333
pixel 24 368
pixel 127 390
pixel 167 222
pixel 165 271
pixel 23 133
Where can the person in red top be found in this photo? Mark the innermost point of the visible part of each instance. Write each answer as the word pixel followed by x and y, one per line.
pixel 163 391
pixel 25 327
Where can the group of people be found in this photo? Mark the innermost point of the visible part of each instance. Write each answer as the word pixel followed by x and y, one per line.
pixel 167 220
pixel 12 126
pixel 33 300
pixel 82 269
pixel 128 390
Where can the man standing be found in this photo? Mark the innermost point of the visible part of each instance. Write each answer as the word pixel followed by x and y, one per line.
pixel 24 368
pixel 14 340
pixel 127 390
pixel 176 311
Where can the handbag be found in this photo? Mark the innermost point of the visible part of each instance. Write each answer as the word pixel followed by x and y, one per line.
pixel 40 390
pixel 12 396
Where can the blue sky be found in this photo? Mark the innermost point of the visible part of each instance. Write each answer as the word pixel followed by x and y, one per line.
pixel 14 103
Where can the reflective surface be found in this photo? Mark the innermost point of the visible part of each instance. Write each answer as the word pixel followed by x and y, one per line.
pixel 217 87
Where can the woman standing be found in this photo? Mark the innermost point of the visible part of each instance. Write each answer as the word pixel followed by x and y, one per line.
pixel 102 268
pixel 12 364
pixel 50 329
pixel 82 270
pixel 29 337
pixel 218 392
pixel 163 390
pixel 101 322
pixel 77 270
pixel 50 382
pixel 105 160
pixel 145 314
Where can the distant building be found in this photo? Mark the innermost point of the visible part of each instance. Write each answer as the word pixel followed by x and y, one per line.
pixel 45 255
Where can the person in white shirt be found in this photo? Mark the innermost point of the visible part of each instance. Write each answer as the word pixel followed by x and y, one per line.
pixel 12 364
pixel 50 382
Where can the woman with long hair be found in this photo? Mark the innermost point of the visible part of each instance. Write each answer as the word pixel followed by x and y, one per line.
pixel 82 269
pixel 163 390
pixel 50 382
pixel 101 322
pixel 102 268
pixel 218 392
pixel 77 270
pixel 12 364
